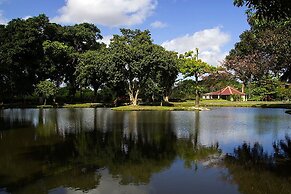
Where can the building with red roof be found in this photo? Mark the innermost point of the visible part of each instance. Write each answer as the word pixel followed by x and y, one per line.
pixel 227 93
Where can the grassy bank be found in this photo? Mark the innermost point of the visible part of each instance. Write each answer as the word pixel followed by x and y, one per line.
pixel 259 104
pixel 78 105
pixel 175 106
pixel 188 105
pixel 155 108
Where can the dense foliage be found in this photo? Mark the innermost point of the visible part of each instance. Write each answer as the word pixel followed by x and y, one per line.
pixel 264 51
pixel 270 10
pixel 34 50
pixel 192 66
pixel 45 89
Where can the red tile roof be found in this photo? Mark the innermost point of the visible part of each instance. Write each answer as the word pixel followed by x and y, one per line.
pixel 226 92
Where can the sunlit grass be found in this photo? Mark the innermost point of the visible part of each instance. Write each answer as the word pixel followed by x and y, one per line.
pixel 151 108
pixel 189 105
pixel 82 105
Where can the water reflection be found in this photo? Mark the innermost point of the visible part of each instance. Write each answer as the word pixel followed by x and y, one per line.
pixel 257 171
pixel 99 150
pixel 71 148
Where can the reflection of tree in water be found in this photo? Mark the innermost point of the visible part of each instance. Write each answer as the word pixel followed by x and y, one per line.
pixel 148 145
pixel 190 149
pixel 256 171
pixel 16 118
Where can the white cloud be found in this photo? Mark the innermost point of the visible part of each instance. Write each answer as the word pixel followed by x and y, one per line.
pixel 106 39
pixel 209 42
pixel 109 13
pixel 3 20
pixel 158 24
pixel 26 17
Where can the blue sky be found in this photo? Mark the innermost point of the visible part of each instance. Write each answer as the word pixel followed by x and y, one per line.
pixel 181 25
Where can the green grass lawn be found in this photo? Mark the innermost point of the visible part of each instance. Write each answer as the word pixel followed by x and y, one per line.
pixel 262 104
pixel 153 108
pixel 175 106
pixel 188 105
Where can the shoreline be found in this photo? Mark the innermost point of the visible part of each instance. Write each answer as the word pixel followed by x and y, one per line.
pixel 175 106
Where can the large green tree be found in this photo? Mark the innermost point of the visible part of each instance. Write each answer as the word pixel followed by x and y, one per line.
pixel 92 69
pixel 21 53
pixel 265 49
pixel 133 58
pixel 167 71
pixel 57 57
pixel 192 66
pixel 82 37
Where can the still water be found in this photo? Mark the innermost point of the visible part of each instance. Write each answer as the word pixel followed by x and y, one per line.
pixel 225 150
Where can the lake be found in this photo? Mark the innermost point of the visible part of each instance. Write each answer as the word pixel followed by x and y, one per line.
pixel 224 150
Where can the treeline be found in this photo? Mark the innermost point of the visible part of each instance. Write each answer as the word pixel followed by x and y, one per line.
pixel 37 57
pixel 43 59
pixel 262 57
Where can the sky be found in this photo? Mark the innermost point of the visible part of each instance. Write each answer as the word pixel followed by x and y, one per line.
pixel 213 26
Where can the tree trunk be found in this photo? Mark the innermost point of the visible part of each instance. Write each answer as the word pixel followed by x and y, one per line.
pixel 133 97
pixel 197 97
pixel 44 103
pixel 166 98
pixel 95 94
pixel 243 88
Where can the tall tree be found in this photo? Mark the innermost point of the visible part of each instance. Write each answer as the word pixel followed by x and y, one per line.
pixel 22 53
pixel 57 57
pixel 92 69
pixel 192 66
pixel 265 49
pixel 82 37
pixel 167 71
pixel 132 57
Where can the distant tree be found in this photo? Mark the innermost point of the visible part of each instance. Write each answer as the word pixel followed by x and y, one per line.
pixel 184 89
pixel 267 88
pixel 46 89
pixel 192 66
pixel 219 79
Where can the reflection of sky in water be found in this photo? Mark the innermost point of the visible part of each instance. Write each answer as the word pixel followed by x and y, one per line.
pixel 108 185
pixel 227 126
pixel 177 179
pixel 231 127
